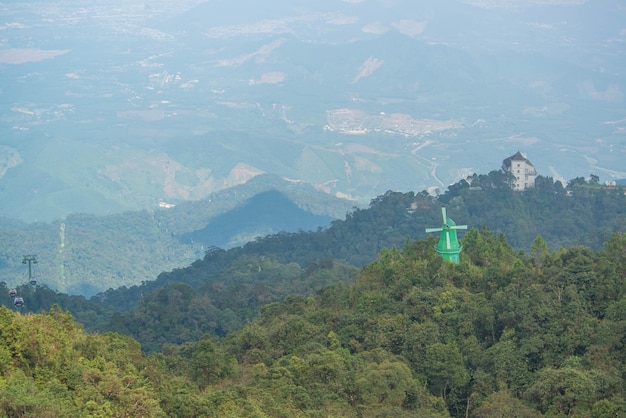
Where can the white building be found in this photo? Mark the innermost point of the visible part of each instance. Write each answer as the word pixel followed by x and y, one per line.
pixel 522 169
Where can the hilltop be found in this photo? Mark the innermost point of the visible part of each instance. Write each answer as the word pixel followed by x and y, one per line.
pixel 125 250
pixel 224 289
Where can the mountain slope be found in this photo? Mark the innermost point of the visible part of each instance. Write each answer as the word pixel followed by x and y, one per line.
pixel 499 334
pixel 86 254
pixel 583 212
pixel 264 214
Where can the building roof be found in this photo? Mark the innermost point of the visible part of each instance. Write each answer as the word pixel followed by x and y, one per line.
pixel 516 157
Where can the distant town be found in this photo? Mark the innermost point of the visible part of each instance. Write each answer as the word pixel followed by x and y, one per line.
pixel 357 122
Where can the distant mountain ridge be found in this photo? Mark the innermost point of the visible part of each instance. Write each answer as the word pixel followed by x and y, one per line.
pixel 264 214
pixel 86 254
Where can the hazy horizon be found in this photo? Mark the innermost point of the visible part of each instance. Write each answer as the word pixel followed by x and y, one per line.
pixel 114 106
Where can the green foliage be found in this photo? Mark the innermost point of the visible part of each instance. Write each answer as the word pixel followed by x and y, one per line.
pixel 144 244
pixel 565 391
pixel 58 370
pixel 499 334
pixel 502 404
pixel 414 335
pixel 560 217
pixel 178 313
pixel 87 254
pixel 252 332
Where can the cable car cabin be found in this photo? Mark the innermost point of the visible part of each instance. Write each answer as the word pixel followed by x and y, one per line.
pixel 12 293
pixel 18 302
pixel 33 282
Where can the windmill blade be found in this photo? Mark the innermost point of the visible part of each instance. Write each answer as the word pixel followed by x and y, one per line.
pixel 447 240
pixel 445 216
pixel 434 229
pixel 459 227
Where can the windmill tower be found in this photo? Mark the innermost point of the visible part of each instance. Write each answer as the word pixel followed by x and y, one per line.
pixel 448 245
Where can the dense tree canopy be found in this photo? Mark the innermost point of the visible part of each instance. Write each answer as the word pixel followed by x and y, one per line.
pixel 532 319
pixel 85 254
pixel 500 333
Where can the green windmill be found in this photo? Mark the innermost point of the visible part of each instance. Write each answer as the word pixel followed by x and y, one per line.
pixel 448 245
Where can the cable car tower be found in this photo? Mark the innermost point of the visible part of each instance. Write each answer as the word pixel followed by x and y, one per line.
pixel 30 259
pixel 18 301
pixel 448 245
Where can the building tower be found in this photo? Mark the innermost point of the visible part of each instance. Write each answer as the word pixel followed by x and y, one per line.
pixel 522 169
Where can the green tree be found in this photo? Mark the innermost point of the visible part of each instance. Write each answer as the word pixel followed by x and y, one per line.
pixel 503 405
pixel 208 364
pixel 446 372
pixel 386 383
pixel 565 391
pixel 539 251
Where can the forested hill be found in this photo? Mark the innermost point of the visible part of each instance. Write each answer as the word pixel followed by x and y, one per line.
pixel 86 254
pixel 225 290
pixel 500 334
pixel 582 212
